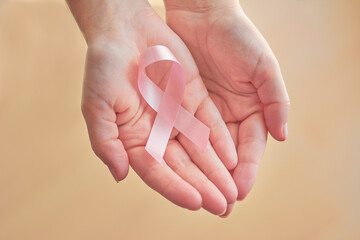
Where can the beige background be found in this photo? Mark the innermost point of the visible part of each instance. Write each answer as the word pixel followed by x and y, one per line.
pixel 53 187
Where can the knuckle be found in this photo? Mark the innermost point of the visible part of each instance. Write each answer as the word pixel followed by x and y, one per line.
pixel 96 149
pixel 84 108
pixel 286 103
pixel 274 62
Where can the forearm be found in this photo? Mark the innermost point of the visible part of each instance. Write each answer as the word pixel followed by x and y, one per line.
pixel 199 5
pixel 99 17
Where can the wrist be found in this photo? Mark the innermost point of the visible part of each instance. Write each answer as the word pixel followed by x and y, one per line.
pixel 200 6
pixel 106 18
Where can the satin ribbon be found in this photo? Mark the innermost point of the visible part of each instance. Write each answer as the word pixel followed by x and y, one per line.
pixel 167 104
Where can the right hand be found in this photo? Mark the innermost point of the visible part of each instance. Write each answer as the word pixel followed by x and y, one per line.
pixel 241 74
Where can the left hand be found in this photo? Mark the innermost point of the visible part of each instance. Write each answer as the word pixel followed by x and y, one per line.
pixel 119 120
pixel 241 74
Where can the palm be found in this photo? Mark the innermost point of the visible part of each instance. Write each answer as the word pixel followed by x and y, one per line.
pixel 234 62
pixel 119 120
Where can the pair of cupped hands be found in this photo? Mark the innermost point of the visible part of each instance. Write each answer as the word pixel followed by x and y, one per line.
pixel 233 85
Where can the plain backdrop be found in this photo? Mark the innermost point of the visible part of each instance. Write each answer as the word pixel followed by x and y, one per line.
pixel 53 187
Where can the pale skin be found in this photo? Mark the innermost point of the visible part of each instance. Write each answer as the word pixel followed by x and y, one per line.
pixel 241 74
pixel 239 110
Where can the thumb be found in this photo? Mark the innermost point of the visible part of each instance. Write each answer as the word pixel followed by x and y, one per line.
pixel 274 97
pixel 103 133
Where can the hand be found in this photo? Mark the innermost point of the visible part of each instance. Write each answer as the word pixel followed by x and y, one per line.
pixel 119 120
pixel 241 74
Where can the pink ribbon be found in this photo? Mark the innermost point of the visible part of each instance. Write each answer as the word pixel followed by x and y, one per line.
pixel 167 104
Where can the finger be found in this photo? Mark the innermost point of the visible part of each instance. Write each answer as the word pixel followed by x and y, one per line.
pixel 252 141
pixel 163 180
pixel 273 95
pixel 103 133
pixel 234 131
pixel 210 164
pixel 220 137
pixel 228 210
pixel 179 161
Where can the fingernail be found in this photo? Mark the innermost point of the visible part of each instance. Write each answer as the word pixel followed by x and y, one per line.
pixel 285 130
pixel 223 213
pixel 113 173
pixel 228 210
